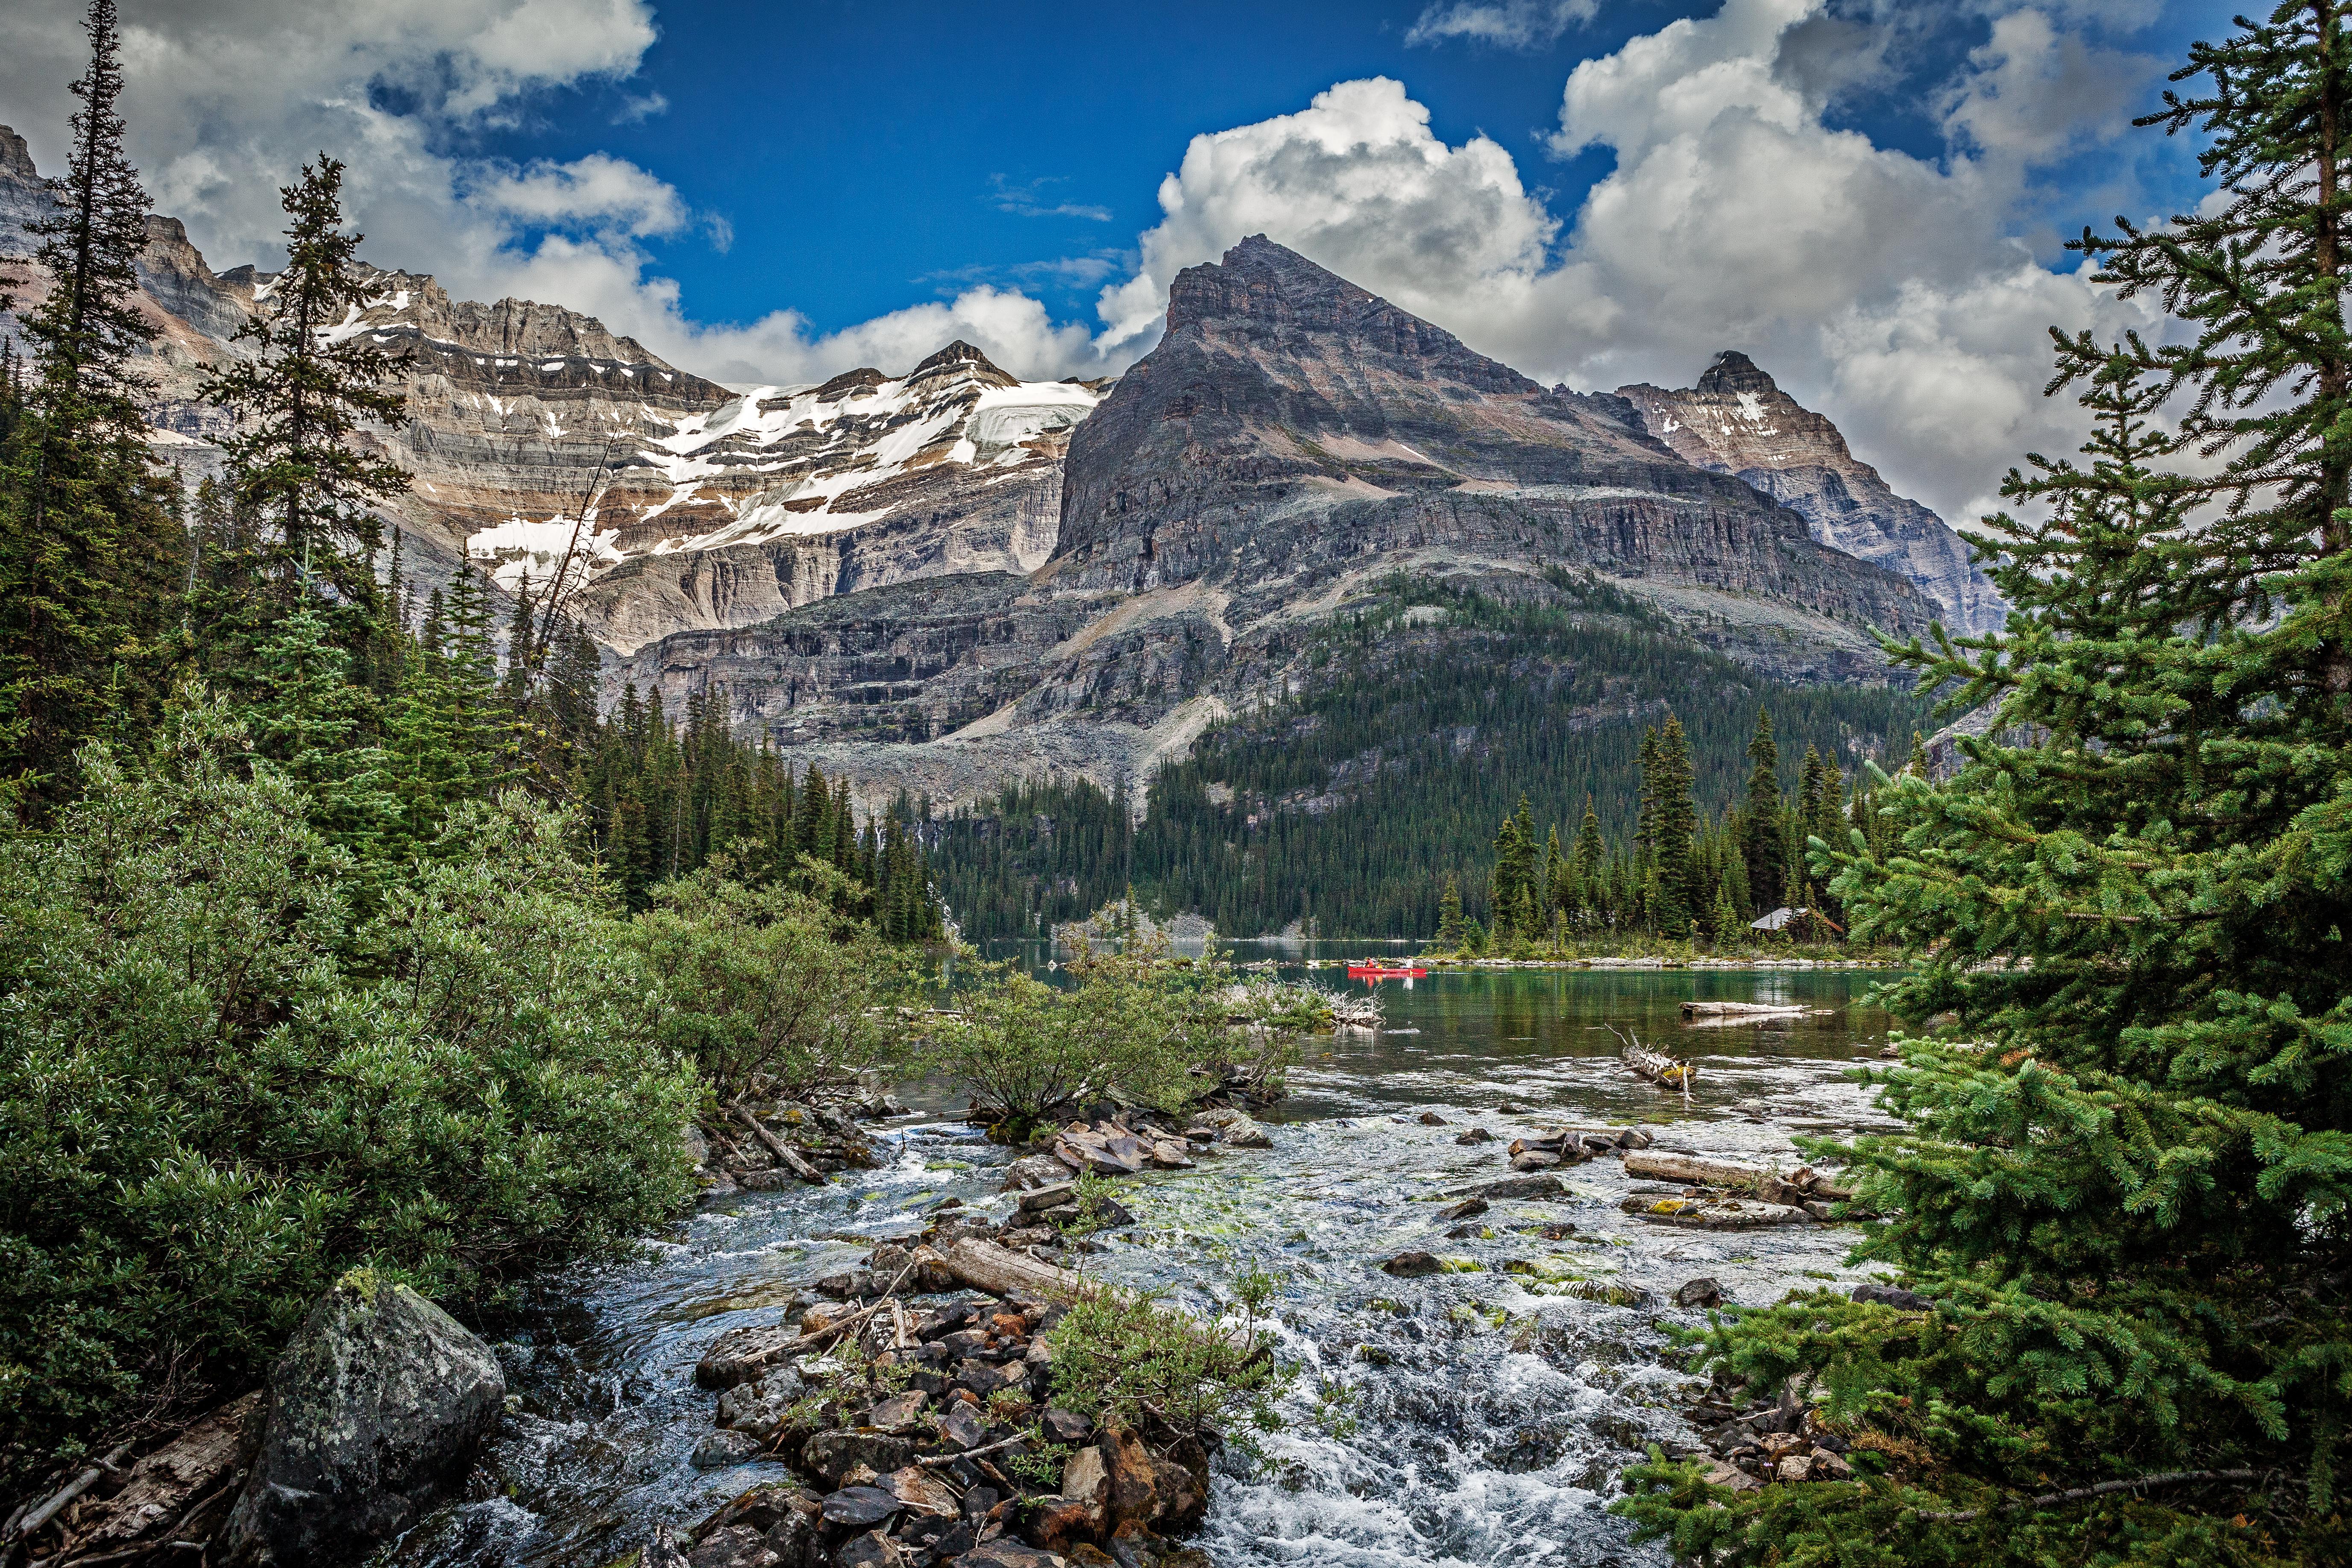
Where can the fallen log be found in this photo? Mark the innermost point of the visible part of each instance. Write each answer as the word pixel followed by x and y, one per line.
pixel 1714 1214
pixel 784 1153
pixel 1739 1009
pixel 1659 1068
pixel 1695 1169
pixel 30 1525
pixel 1000 1271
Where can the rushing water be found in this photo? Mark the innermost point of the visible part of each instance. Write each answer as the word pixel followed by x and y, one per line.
pixel 1478 1416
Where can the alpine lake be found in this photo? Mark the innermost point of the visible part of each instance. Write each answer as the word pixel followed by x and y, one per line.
pixel 1480 1416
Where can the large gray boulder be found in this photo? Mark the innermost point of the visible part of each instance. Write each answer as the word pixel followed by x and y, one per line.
pixel 377 1406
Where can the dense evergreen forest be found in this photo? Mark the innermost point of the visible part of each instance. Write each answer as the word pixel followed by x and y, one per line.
pixel 1348 808
pixel 317 943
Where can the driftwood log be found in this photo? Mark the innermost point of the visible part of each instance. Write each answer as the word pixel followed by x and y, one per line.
pixel 1659 1068
pixel 1694 1170
pixel 784 1153
pixel 1740 1009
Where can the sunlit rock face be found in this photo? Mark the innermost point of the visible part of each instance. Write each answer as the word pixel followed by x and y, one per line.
pixel 1292 443
pixel 1737 420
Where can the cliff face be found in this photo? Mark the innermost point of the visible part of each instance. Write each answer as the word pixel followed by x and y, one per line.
pixel 1737 420
pixel 1292 442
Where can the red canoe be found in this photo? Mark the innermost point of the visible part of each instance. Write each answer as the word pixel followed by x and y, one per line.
pixel 1384 972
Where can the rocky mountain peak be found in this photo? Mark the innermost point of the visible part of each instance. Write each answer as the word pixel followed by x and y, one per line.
pixel 1733 372
pixel 1737 420
pixel 960 358
pixel 16 158
pixel 1269 292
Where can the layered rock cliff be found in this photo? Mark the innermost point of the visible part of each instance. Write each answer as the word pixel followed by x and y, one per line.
pixel 1291 444
pixel 1737 420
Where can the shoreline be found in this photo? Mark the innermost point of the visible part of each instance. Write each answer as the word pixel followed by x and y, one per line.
pixel 1465 964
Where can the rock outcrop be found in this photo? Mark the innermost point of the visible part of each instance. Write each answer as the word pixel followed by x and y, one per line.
pixel 1737 420
pixel 1291 442
pixel 376 1408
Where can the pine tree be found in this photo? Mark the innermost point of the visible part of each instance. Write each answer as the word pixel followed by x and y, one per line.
pixel 87 546
pixel 2125 1183
pixel 1761 836
pixel 311 384
pixel 312 722
pixel 1449 917
pixel 1673 823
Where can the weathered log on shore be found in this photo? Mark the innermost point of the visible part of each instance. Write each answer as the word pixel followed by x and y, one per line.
pixel 1000 1271
pixel 786 1155
pixel 1714 1214
pixel 1695 1169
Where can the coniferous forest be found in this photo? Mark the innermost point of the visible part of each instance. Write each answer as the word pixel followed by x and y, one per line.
pixel 356 945
pixel 315 895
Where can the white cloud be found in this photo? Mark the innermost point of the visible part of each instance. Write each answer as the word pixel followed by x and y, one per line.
pixel 1880 287
pixel 1355 181
pixel 2033 90
pixel 1508 24
pixel 602 191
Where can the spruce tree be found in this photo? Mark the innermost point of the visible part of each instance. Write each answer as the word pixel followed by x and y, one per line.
pixel 1450 929
pixel 88 544
pixel 301 400
pixel 1762 834
pixel 1673 823
pixel 2123 1191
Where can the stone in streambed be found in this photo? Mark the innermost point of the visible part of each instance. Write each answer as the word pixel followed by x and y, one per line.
pixel 723 1449
pixel 858 1506
pixel 1430 1119
pixel 1534 1160
pixel 758 1407
pixel 1468 1208
pixel 768 1526
pixel 1699 1293
pixel 1532 1186
pixel 872 1549
pixel 375 1409
pixel 834 1455
pixel 1413 1265
pixel 1034 1170
pixel 740 1355
pixel 1476 1135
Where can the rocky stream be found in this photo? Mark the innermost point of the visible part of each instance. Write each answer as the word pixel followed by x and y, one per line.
pixel 1481 1224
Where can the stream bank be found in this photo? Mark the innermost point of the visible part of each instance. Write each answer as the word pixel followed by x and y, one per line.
pixel 1479 1414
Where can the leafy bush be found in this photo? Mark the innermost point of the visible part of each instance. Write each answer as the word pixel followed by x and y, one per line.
pixel 1125 1361
pixel 218 1090
pixel 764 986
pixel 1134 1021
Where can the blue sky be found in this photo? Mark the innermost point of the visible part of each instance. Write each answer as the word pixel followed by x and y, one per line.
pixel 865 155
pixel 1866 196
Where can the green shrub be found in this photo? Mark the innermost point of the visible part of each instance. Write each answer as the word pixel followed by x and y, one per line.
pixel 1124 1361
pixel 1133 1022
pixel 218 1090
pixel 765 986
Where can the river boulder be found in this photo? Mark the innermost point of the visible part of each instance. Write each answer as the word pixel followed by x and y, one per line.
pixel 375 1409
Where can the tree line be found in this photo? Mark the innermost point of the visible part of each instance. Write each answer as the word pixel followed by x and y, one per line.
pixel 1681 875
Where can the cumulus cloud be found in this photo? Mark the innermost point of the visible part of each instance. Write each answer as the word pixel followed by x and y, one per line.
pixel 1357 181
pixel 226 99
pixel 1508 24
pixel 1883 289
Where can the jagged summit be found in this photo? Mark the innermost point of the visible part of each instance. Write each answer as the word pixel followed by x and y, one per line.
pixel 1284 295
pixel 1737 420
pixel 1733 372
pixel 960 358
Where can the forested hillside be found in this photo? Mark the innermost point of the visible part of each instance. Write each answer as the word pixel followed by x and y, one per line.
pixel 1349 807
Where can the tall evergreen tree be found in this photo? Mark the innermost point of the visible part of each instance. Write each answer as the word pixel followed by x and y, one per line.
pixel 2124 1192
pixel 89 550
pixel 1673 822
pixel 309 386
pixel 1450 930
pixel 1762 833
